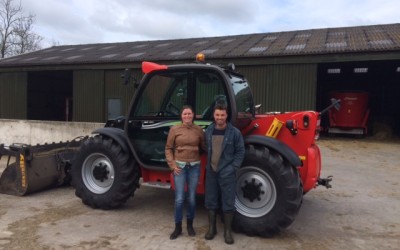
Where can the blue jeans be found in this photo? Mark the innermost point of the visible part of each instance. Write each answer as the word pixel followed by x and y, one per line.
pixel 190 176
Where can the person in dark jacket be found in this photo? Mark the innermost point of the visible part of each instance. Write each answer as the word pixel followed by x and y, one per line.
pixel 225 148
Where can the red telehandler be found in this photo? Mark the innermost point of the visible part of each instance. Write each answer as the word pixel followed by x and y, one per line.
pixel 282 161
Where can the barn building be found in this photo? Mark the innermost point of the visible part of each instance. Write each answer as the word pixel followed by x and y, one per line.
pixel 288 71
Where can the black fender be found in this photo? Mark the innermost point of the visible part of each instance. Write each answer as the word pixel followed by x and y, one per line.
pixel 116 134
pixel 278 146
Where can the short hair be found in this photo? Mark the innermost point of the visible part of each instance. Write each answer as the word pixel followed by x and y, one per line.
pixel 221 107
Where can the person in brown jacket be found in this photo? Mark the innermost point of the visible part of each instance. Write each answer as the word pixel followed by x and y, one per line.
pixel 182 151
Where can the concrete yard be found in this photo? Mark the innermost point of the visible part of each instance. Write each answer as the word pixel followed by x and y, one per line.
pixel 361 211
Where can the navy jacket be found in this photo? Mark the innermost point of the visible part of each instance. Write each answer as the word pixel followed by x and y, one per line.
pixel 232 154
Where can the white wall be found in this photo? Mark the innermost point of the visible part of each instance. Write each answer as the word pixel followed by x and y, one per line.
pixel 34 132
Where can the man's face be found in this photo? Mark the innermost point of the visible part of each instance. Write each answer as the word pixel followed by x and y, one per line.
pixel 220 117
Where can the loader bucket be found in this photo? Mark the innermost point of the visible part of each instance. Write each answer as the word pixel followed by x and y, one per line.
pixel 33 168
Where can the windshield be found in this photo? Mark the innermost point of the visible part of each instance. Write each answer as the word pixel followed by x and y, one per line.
pixel 165 94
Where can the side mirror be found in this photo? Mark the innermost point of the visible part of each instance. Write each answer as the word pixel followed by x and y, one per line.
pixel 257 108
pixel 127 76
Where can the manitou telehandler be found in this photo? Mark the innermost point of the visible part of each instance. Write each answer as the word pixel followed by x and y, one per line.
pixel 282 161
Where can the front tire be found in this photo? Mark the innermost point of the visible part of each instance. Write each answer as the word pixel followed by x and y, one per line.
pixel 103 175
pixel 269 193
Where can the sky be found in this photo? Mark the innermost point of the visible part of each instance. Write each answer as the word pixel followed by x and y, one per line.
pixel 71 22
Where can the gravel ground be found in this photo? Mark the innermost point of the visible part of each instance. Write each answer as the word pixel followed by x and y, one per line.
pixel 361 211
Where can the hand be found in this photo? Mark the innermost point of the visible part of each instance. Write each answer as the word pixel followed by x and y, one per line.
pixel 177 170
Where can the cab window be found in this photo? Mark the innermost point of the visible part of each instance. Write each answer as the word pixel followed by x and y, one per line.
pixel 164 96
pixel 209 92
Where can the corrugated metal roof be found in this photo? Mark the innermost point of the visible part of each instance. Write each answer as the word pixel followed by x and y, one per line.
pixel 301 42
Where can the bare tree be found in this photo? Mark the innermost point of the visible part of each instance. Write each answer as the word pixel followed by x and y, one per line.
pixel 16 34
pixel 25 40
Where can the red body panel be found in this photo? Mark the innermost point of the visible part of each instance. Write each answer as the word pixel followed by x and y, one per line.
pixel 167 177
pixel 155 176
pixel 303 142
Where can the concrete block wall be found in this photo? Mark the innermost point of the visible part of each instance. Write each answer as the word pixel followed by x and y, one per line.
pixel 34 132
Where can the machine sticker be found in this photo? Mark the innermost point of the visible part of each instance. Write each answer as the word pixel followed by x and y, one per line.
pixel 23 170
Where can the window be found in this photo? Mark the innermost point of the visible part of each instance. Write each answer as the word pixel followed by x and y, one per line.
pixel 209 92
pixel 360 70
pixel 334 71
pixel 164 95
pixel 243 96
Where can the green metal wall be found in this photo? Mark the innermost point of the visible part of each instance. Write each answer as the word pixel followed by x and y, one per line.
pixel 115 88
pixel 88 92
pixel 13 95
pixel 283 87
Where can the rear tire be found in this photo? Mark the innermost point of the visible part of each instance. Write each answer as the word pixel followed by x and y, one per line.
pixel 269 193
pixel 103 175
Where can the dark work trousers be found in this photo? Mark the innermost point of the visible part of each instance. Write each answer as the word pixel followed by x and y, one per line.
pixel 221 184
